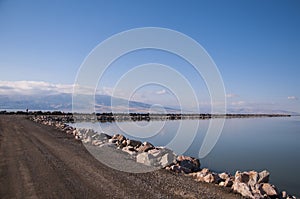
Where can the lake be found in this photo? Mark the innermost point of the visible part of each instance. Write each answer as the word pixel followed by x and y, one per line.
pixel 245 144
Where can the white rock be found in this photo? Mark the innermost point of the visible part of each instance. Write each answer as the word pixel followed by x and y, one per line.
pixel 269 189
pixel 205 171
pixel 74 132
pixel 112 140
pixel 224 176
pixel 77 137
pixel 87 140
pixel 209 178
pixel 155 152
pixel 284 194
pixel 159 157
pixel 253 178
pixel 167 159
pixel 243 189
pixel 222 184
pixel 129 150
pixel 263 177
pixel 145 158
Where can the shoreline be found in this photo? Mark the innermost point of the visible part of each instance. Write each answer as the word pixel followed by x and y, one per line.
pixel 123 117
pixel 43 161
pixel 250 184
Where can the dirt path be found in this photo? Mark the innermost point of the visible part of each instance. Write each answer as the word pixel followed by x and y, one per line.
pixel 38 161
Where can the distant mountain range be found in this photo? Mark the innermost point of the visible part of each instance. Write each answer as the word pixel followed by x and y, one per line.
pixel 63 102
pixel 36 102
pixel 259 111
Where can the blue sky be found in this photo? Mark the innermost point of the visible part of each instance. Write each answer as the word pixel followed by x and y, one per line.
pixel 255 44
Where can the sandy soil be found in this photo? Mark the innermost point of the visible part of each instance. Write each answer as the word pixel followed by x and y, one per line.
pixel 38 161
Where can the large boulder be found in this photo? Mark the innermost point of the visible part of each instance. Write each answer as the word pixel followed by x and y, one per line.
pixel 166 159
pixel 226 179
pixel 129 149
pixel 224 176
pixel 189 162
pixel 146 146
pixel 145 159
pixel 254 185
pixel 228 182
pixel 263 177
pixel 204 171
pixel 119 137
pixel 133 143
pixel 157 157
pixel 243 189
pixel 212 178
pixel 199 176
pixel 241 177
pixel 253 178
pixel 269 189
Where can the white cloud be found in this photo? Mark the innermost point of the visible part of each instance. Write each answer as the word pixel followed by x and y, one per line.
pixel 161 92
pixel 292 98
pixel 238 103
pixel 105 91
pixel 33 87
pixel 231 95
pixel 43 88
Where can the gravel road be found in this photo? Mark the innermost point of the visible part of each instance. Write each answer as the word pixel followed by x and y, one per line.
pixel 38 161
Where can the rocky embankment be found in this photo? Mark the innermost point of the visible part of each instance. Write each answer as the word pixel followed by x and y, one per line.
pixel 250 184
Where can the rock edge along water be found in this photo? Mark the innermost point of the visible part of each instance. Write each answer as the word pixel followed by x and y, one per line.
pixel 251 184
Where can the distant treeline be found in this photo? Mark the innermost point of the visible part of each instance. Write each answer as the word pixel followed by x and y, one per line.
pixel 142 115
pixel 111 117
pixel 34 113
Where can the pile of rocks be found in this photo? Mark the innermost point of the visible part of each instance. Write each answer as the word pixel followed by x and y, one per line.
pixel 251 184
pixel 144 153
pixel 254 185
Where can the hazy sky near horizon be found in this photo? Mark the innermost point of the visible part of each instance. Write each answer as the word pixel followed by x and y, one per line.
pixel 255 45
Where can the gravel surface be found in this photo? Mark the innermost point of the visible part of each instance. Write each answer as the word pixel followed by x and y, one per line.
pixel 38 161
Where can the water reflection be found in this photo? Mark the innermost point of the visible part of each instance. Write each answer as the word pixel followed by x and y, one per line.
pixel 245 144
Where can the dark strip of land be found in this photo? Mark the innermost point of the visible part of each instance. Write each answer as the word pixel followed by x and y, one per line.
pixel 38 161
pixel 110 117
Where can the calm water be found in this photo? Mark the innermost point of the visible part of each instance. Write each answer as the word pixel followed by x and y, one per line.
pixel 245 144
